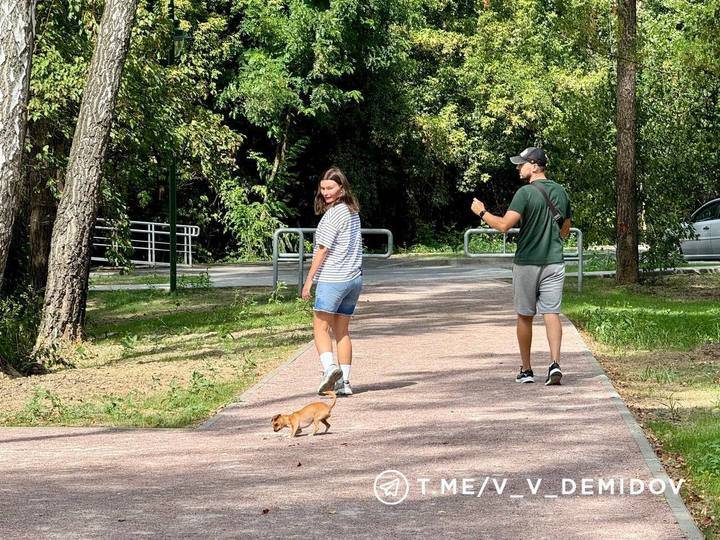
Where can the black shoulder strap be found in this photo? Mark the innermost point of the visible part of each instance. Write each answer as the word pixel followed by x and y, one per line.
pixel 556 215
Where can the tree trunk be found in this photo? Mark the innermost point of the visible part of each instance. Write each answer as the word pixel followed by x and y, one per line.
pixel 42 203
pixel 43 211
pixel 66 292
pixel 625 187
pixel 280 151
pixel 17 22
pixel 8 370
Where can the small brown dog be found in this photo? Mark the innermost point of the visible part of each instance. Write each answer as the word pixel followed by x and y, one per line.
pixel 309 414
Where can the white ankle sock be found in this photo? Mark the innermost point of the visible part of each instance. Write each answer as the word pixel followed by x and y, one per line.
pixel 327 360
pixel 346 371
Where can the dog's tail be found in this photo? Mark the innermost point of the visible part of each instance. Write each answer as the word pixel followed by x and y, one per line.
pixel 333 395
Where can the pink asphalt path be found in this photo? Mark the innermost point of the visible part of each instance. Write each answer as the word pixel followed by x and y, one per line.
pixel 435 399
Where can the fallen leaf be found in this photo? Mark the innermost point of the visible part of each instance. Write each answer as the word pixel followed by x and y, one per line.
pixel 265 510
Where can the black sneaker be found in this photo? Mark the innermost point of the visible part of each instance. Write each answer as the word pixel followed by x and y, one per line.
pixel 554 374
pixel 525 376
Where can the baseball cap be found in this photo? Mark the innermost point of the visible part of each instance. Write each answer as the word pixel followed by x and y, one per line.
pixel 530 154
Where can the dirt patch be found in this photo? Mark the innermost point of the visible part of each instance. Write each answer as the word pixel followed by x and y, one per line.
pixel 144 374
pixel 685 287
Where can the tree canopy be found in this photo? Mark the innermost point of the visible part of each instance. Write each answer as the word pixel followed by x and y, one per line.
pixel 420 101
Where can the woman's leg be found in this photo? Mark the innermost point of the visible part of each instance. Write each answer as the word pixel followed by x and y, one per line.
pixel 340 326
pixel 344 349
pixel 321 331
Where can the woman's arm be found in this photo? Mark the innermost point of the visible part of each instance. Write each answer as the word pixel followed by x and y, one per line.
pixel 317 261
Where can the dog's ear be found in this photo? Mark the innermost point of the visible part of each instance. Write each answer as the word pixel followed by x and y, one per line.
pixel 275 417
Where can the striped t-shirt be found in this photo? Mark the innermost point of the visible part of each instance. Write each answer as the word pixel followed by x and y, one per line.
pixel 339 231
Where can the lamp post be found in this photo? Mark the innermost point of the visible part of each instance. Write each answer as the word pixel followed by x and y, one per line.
pixel 176 48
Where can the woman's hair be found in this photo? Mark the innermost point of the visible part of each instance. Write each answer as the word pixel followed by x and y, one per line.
pixel 347 196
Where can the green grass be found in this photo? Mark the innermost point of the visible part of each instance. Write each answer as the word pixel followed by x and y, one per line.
pixel 178 406
pixel 697 440
pixel 658 343
pixel 129 279
pixel 154 359
pixel 641 319
pixel 152 314
pixel 660 375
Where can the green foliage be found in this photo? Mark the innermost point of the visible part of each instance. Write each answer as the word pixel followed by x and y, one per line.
pixel 19 319
pixel 420 101
pixel 195 281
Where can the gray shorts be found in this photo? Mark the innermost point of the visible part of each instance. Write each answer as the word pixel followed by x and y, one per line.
pixel 538 289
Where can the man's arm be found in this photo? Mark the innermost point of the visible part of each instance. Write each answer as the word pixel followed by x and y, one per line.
pixel 502 224
pixel 565 229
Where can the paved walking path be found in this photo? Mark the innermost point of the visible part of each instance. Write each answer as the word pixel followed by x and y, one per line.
pixel 435 399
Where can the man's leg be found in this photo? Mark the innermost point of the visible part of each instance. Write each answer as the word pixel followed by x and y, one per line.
pixel 524 336
pixel 525 278
pixel 553 328
pixel 550 299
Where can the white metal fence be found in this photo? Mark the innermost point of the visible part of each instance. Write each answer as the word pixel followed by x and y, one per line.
pixel 150 242
pixel 301 255
pixel 573 255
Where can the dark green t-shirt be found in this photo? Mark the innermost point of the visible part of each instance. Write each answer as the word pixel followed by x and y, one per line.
pixel 539 241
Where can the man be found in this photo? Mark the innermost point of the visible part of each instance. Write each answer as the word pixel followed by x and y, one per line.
pixel 538 267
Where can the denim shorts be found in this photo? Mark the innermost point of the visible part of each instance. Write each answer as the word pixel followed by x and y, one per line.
pixel 339 298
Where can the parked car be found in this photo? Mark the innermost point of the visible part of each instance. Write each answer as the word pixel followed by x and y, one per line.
pixel 706 222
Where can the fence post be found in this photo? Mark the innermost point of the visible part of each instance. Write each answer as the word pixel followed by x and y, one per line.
pixel 581 260
pixel 189 244
pixel 275 261
pixel 152 244
pixel 149 243
pixel 301 261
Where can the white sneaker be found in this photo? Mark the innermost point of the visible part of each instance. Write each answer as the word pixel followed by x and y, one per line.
pixel 330 377
pixel 343 388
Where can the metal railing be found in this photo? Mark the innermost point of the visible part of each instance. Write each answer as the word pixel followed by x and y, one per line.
pixel 301 255
pixel 569 256
pixel 148 240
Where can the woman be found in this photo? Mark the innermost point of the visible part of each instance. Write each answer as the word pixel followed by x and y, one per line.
pixel 336 268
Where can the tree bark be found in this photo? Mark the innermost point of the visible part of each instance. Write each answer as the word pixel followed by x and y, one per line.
pixel 42 203
pixel 43 211
pixel 8 370
pixel 17 27
pixel 280 151
pixel 69 265
pixel 625 183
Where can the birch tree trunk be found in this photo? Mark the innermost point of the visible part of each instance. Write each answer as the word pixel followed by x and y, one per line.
pixel 66 292
pixel 625 187
pixel 17 27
